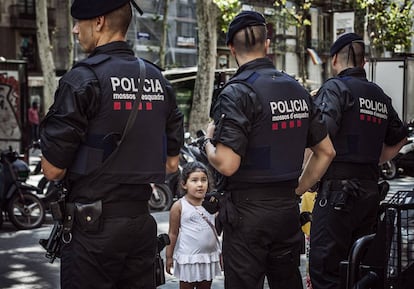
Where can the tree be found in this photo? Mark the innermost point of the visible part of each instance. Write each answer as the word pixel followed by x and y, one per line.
pixel 296 15
pixel 389 24
pixel 164 34
pixel 207 50
pixel 207 13
pixel 45 53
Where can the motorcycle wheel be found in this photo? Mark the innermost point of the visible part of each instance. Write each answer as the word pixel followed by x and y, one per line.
pixel 389 170
pixel 161 198
pixel 26 211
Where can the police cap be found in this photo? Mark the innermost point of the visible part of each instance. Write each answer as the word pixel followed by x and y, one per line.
pixel 344 40
pixel 88 9
pixel 242 20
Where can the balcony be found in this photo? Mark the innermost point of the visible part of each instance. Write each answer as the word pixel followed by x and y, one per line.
pixel 25 17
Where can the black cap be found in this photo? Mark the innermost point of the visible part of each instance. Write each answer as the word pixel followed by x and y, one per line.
pixel 242 20
pixel 344 40
pixel 88 9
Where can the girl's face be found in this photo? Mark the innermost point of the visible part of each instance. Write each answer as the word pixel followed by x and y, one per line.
pixel 196 185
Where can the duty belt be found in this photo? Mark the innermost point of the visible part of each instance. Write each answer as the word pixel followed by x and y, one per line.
pixel 125 209
pixel 342 170
pixel 274 191
pixel 112 210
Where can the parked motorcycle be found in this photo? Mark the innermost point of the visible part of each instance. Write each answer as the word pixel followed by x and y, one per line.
pixel 161 197
pixel 403 162
pixel 18 200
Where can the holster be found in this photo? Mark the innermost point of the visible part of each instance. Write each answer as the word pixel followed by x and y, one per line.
pixel 337 192
pixel 228 215
pixel 89 216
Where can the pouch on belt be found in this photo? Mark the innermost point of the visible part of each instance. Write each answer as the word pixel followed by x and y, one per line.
pixel 89 216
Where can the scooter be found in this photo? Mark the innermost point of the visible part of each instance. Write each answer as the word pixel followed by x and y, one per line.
pixel 18 200
pixel 403 162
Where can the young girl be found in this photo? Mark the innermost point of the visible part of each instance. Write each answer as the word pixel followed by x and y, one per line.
pixel 194 252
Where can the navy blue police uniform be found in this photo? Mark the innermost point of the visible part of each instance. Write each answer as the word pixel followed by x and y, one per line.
pixel 360 119
pixel 113 234
pixel 268 119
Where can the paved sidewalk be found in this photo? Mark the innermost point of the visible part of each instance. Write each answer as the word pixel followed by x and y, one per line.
pixel 218 282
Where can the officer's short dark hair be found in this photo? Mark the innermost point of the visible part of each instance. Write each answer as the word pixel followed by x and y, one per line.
pixel 120 18
pixel 353 54
pixel 250 38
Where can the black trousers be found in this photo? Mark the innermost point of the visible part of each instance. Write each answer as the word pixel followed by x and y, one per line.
pixel 334 230
pixel 266 242
pixel 120 256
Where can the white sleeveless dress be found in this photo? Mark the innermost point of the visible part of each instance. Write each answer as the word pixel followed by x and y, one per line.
pixel 196 253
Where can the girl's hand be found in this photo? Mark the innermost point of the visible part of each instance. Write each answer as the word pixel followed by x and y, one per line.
pixel 169 265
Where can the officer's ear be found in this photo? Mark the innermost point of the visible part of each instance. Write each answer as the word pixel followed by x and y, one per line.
pixel 232 49
pixel 267 45
pixel 334 59
pixel 99 21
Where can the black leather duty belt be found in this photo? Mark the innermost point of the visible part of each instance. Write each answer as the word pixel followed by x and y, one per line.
pixel 279 190
pixel 125 209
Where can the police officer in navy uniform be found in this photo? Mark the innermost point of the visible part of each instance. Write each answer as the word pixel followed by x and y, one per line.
pixel 365 131
pixel 113 236
pixel 263 121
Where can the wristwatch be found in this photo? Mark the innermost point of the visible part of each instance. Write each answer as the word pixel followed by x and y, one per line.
pixel 203 146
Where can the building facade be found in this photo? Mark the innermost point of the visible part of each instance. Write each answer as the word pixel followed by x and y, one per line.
pixel 302 56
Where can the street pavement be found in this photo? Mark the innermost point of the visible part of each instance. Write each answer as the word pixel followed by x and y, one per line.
pixel 23 265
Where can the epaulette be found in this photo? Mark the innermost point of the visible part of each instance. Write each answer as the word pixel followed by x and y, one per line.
pixel 94 60
pixel 153 64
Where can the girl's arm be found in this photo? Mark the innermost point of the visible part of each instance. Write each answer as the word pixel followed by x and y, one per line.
pixel 174 227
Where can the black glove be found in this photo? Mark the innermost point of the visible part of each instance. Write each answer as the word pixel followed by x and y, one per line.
pixel 211 202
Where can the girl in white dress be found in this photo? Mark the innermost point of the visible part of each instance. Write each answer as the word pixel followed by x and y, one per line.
pixel 194 252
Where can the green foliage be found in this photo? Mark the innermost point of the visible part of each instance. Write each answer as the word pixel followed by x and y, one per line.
pixel 295 15
pixel 390 23
pixel 228 9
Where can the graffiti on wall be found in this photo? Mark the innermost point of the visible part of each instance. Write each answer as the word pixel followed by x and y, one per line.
pixel 10 127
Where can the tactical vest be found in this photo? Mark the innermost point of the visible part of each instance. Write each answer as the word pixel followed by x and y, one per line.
pixel 279 132
pixel 142 155
pixel 364 125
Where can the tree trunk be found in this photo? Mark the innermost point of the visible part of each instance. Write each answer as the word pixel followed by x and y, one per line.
pixel 164 34
pixel 45 54
pixel 302 59
pixel 71 44
pixel 207 50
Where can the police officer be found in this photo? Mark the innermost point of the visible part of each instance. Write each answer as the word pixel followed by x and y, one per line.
pixel 365 131
pixel 113 236
pixel 263 120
